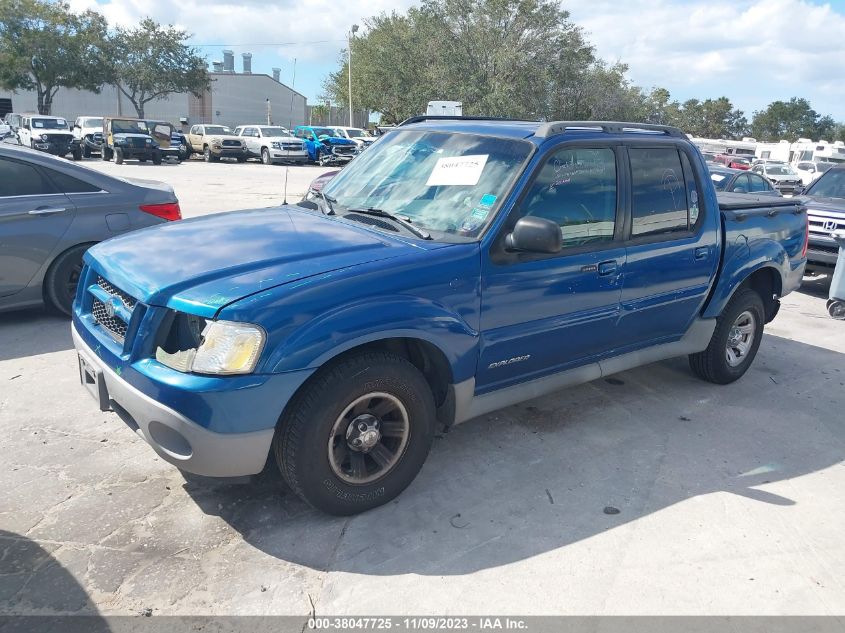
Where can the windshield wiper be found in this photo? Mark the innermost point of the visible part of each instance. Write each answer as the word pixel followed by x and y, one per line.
pixel 402 221
pixel 328 209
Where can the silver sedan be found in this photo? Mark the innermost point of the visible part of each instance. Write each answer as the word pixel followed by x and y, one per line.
pixel 52 210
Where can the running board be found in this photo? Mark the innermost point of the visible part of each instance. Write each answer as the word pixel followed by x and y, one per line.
pixel 468 405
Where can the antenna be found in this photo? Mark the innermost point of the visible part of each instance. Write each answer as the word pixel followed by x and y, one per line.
pixel 285 195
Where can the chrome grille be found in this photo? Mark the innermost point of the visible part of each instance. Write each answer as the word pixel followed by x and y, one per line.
pixel 292 147
pixel 111 323
pixel 231 143
pixel 344 150
pixel 127 300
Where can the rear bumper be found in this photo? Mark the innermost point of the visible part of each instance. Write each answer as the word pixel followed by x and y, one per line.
pixel 174 437
pixel 821 254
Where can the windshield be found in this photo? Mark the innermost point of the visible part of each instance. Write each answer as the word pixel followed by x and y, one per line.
pixel 447 183
pixel 120 126
pixel 217 129
pixel 274 131
pixel 92 122
pixel 49 124
pixel 830 185
pixel 320 131
pixel 357 133
pixel 780 170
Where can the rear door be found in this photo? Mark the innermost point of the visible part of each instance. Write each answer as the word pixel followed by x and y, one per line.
pixel 672 248
pixel 33 217
pixel 195 138
pixel 543 313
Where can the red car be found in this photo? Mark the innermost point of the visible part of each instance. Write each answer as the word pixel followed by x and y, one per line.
pixel 733 161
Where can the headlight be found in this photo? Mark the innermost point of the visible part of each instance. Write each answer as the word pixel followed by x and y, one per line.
pixel 226 347
pixel 148 141
pixel 276 145
pixel 45 138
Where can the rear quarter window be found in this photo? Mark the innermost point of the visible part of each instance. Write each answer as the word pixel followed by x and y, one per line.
pixel 20 179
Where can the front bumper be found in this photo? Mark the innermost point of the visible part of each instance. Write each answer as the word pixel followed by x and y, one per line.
pixel 822 252
pixel 56 149
pixel 174 436
pixel 288 156
pixel 229 152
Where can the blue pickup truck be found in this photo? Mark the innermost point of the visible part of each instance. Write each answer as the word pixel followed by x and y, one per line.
pixel 456 267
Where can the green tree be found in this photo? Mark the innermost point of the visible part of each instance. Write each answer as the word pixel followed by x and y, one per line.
pixel 45 46
pixel 789 120
pixel 152 61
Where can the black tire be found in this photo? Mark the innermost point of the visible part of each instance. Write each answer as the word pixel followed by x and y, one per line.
pixel 107 154
pixel 77 153
pixel 157 158
pixel 301 443
pixel 712 364
pixel 241 159
pixel 208 156
pixel 118 156
pixel 86 152
pixel 142 160
pixel 265 156
pixel 62 278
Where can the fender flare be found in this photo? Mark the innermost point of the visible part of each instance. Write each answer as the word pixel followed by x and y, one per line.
pixel 331 334
pixel 746 260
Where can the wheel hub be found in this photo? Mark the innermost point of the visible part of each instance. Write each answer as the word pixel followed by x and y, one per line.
pixel 363 433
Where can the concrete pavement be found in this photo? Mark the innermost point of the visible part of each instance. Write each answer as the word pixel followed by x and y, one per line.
pixel 731 500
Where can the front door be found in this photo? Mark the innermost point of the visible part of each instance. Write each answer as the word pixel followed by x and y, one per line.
pixel 545 313
pixel 33 216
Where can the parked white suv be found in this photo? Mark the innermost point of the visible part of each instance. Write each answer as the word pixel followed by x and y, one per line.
pixel 810 170
pixel 362 138
pixel 88 131
pixel 49 134
pixel 272 144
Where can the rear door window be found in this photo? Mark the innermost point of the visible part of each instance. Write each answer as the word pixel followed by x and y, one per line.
pixel 20 179
pixel 659 195
pixel 758 184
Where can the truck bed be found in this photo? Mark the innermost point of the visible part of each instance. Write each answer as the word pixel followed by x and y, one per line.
pixel 734 201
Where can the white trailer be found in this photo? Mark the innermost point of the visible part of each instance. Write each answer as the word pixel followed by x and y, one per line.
pixel 445 108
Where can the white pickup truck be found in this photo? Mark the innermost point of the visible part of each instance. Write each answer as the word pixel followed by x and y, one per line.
pixel 272 144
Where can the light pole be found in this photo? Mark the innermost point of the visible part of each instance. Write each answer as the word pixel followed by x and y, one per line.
pixel 349 69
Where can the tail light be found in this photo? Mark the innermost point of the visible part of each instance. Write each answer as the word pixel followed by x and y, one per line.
pixel 168 211
pixel 806 236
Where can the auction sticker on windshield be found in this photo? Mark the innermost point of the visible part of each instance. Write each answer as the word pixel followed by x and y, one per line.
pixel 457 170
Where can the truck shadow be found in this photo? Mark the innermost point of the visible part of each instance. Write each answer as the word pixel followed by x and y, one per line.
pixel 39 593
pixel 539 476
pixel 817 285
pixel 33 332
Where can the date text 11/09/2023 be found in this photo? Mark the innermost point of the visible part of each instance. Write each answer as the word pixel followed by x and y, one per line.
pixel 424 623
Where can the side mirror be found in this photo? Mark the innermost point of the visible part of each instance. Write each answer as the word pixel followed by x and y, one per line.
pixel 798 190
pixel 534 235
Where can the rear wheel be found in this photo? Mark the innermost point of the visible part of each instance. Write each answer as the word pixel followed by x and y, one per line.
pixel 63 277
pixel 735 340
pixel 118 156
pixel 836 309
pixel 358 434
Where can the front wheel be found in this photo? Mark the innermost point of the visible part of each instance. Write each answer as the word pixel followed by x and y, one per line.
pixel 265 156
pixel 836 309
pixel 358 434
pixel 77 153
pixel 118 156
pixel 157 158
pixel 734 344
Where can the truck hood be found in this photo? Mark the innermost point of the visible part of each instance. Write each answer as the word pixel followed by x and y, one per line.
pixel 782 178
pixel 827 205
pixel 200 265
pixel 283 139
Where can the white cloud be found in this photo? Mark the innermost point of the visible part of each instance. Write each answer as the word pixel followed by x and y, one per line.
pixel 752 51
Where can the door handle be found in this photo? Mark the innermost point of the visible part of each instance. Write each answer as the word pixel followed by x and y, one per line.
pixel 46 211
pixel 607 268
pixel 702 252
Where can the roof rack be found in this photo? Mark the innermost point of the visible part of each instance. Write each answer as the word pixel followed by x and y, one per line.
pixel 610 127
pixel 450 117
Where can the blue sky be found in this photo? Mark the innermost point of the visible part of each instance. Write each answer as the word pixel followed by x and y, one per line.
pixel 752 51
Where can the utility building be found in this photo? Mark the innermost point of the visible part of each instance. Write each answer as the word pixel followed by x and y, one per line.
pixel 233 98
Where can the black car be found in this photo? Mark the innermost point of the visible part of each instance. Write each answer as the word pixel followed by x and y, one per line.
pixel 825 202
pixel 740 181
